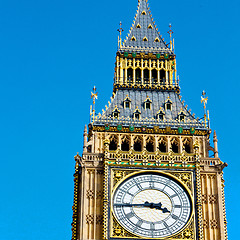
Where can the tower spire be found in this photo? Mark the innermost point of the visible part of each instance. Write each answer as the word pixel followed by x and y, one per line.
pixel 143 35
pixel 94 96
pixel 204 100
pixel 170 35
pixel 120 30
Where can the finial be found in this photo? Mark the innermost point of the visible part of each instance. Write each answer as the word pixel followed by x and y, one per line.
pixel 94 96
pixel 170 34
pixel 204 100
pixel 120 30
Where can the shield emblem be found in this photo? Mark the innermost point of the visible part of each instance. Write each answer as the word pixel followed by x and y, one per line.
pixel 144 128
pixel 119 127
pixel 180 130
pixel 192 130
pixel 168 129
pixel 107 127
pixel 131 128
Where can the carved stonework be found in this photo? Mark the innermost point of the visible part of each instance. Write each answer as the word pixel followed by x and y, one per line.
pixel 89 218
pixel 185 177
pixel 119 174
pixel 187 233
pixel 90 194
pixel 204 198
pixel 118 231
pixel 213 223
pixel 205 223
pixel 99 219
pixel 100 172
pixel 212 199
pixel 100 194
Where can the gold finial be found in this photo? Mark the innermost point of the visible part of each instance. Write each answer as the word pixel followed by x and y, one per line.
pixel 94 96
pixel 170 34
pixel 120 30
pixel 204 100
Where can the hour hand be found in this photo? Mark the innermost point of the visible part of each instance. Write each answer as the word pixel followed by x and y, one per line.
pixel 158 206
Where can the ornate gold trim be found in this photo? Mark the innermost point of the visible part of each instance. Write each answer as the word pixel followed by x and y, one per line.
pixel 155 129
pixel 184 178
pixel 75 198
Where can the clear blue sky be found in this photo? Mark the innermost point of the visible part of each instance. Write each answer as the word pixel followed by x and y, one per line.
pixel 53 52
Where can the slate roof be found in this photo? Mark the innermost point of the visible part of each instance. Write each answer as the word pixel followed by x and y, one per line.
pixel 144 21
pixel 148 116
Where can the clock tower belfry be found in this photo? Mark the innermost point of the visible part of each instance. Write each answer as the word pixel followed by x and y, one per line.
pixel 145 172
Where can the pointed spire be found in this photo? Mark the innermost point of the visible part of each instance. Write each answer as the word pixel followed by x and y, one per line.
pixel 144 35
pixel 85 139
pixel 215 141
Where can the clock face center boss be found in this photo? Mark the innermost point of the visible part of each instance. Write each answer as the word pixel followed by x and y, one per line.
pixel 151 205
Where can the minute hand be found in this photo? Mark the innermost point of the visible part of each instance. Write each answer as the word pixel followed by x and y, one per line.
pixel 129 205
pixel 158 206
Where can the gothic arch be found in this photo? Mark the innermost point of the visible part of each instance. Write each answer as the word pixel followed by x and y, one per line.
pixel 175 144
pixel 113 145
pixel 150 144
pixel 138 144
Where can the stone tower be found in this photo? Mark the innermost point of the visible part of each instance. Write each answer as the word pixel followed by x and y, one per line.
pixel 145 171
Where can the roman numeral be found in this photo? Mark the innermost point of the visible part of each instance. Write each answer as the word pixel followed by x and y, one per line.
pixel 174 216
pixel 130 215
pixel 139 223
pixel 177 206
pixel 152 226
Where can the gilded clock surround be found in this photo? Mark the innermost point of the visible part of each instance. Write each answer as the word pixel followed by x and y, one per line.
pixel 163 137
pixel 185 178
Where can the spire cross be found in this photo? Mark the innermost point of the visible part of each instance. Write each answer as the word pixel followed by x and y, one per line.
pixel 204 100
pixel 120 30
pixel 170 31
pixel 170 34
pixel 94 96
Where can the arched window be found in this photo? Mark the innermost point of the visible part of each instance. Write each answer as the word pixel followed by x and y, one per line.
pixel 127 102
pixel 138 76
pixel 137 145
pixel 175 145
pixel 146 76
pixel 150 144
pixel 187 145
pixel 160 115
pixel 181 117
pixel 162 146
pixel 125 146
pixel 130 75
pixel 113 143
pixel 154 76
pixel 137 114
pixel 162 74
pixel 115 113
pixel 147 103
pixel 168 104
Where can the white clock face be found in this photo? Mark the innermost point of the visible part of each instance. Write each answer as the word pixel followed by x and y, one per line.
pixel 151 205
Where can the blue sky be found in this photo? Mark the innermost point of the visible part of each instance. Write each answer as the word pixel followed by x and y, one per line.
pixel 54 52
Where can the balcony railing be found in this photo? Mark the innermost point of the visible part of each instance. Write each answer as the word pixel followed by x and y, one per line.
pixel 151 82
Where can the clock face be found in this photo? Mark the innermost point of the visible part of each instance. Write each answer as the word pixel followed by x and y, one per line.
pixel 151 205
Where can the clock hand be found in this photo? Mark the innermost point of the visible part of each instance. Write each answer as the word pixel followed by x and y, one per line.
pixel 146 204
pixel 129 205
pixel 159 207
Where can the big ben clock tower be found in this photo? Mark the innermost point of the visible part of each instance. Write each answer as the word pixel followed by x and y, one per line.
pixel 145 172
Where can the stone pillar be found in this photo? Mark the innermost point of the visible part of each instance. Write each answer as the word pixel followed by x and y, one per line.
pixel 85 139
pixel 215 141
